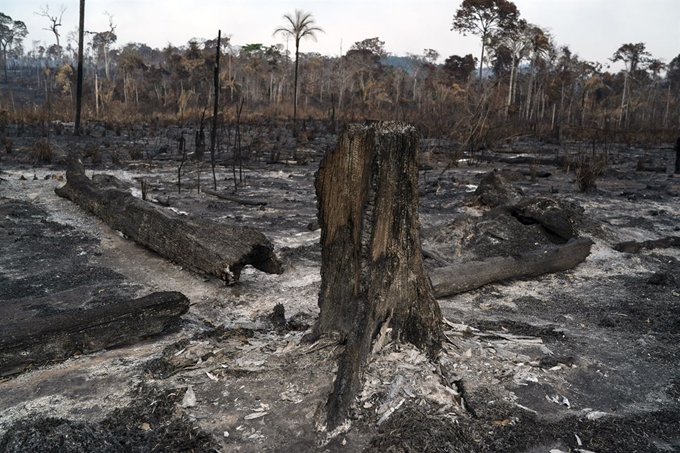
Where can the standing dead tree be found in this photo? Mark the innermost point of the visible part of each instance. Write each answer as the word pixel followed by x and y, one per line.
pixel 372 274
pixel 677 157
pixel 55 24
pixel 213 131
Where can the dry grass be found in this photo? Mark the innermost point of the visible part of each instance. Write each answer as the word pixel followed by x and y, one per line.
pixel 588 169
pixel 41 151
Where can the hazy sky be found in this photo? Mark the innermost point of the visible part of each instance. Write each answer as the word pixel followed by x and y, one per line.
pixel 593 29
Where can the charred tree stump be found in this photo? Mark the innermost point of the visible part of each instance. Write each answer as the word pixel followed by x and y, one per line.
pixel 208 246
pixel 372 274
pixel 60 334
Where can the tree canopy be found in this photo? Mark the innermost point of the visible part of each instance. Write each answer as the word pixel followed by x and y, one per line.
pixel 483 18
pixel 11 32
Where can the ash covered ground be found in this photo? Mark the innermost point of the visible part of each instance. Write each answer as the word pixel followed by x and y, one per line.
pixel 581 360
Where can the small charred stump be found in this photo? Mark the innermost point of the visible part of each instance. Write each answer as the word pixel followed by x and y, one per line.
pixel 372 274
pixel 209 247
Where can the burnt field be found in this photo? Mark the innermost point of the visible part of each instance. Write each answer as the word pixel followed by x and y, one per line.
pixel 585 359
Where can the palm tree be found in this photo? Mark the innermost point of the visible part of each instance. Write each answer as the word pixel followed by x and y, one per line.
pixel 300 25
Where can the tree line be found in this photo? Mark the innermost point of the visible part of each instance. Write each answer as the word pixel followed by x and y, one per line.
pixel 523 83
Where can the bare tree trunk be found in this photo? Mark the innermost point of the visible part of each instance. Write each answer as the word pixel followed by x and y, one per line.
pixel 213 132
pixel 510 87
pixel 372 273
pixel 96 95
pixel 79 83
pixel 295 83
pixel 677 157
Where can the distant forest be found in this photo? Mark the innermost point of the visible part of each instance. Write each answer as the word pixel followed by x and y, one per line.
pixel 525 85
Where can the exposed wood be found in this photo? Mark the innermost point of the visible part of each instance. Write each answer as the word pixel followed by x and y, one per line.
pixel 451 280
pixel 637 247
pixel 235 199
pixel 372 274
pixel 204 245
pixel 59 334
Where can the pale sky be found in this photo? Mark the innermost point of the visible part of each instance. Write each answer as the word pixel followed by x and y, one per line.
pixel 593 29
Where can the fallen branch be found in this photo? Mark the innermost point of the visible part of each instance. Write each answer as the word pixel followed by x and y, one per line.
pixel 636 247
pixel 58 335
pixel 451 280
pixel 204 246
pixel 240 200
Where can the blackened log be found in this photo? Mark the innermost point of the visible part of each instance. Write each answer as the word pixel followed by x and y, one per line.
pixel 239 200
pixel 60 334
pixel 372 272
pixel 451 280
pixel 637 247
pixel 204 246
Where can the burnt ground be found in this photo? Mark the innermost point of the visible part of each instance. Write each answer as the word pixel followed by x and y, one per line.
pixel 584 359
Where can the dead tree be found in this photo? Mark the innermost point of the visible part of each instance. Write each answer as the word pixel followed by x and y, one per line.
pixel 372 274
pixel 213 131
pixel 205 246
pixel 677 157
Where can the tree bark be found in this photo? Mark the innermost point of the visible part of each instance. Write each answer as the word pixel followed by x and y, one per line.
pixel 372 272
pixel 451 280
pixel 677 157
pixel 59 334
pixel 208 246
pixel 216 84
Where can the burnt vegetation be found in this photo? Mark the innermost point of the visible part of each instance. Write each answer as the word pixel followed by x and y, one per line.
pixel 389 141
pixel 528 85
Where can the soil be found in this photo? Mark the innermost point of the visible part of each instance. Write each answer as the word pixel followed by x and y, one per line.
pixel 582 360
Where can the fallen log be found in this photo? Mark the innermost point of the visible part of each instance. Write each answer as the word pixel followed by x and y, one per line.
pixel 637 247
pixel 57 335
pixel 204 246
pixel 451 280
pixel 239 200
pixel 531 160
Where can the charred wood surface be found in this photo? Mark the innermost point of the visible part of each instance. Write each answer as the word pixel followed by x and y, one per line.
pixel 235 199
pixel 637 247
pixel 205 246
pixel 59 334
pixel 372 272
pixel 451 280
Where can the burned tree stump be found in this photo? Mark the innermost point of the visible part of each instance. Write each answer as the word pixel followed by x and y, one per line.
pixel 372 272
pixel 208 246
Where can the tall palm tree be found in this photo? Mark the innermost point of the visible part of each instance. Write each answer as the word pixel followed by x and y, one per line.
pixel 299 25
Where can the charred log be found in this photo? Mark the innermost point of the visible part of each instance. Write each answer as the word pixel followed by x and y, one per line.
pixel 637 247
pixel 208 246
pixel 58 335
pixel 451 280
pixel 235 199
